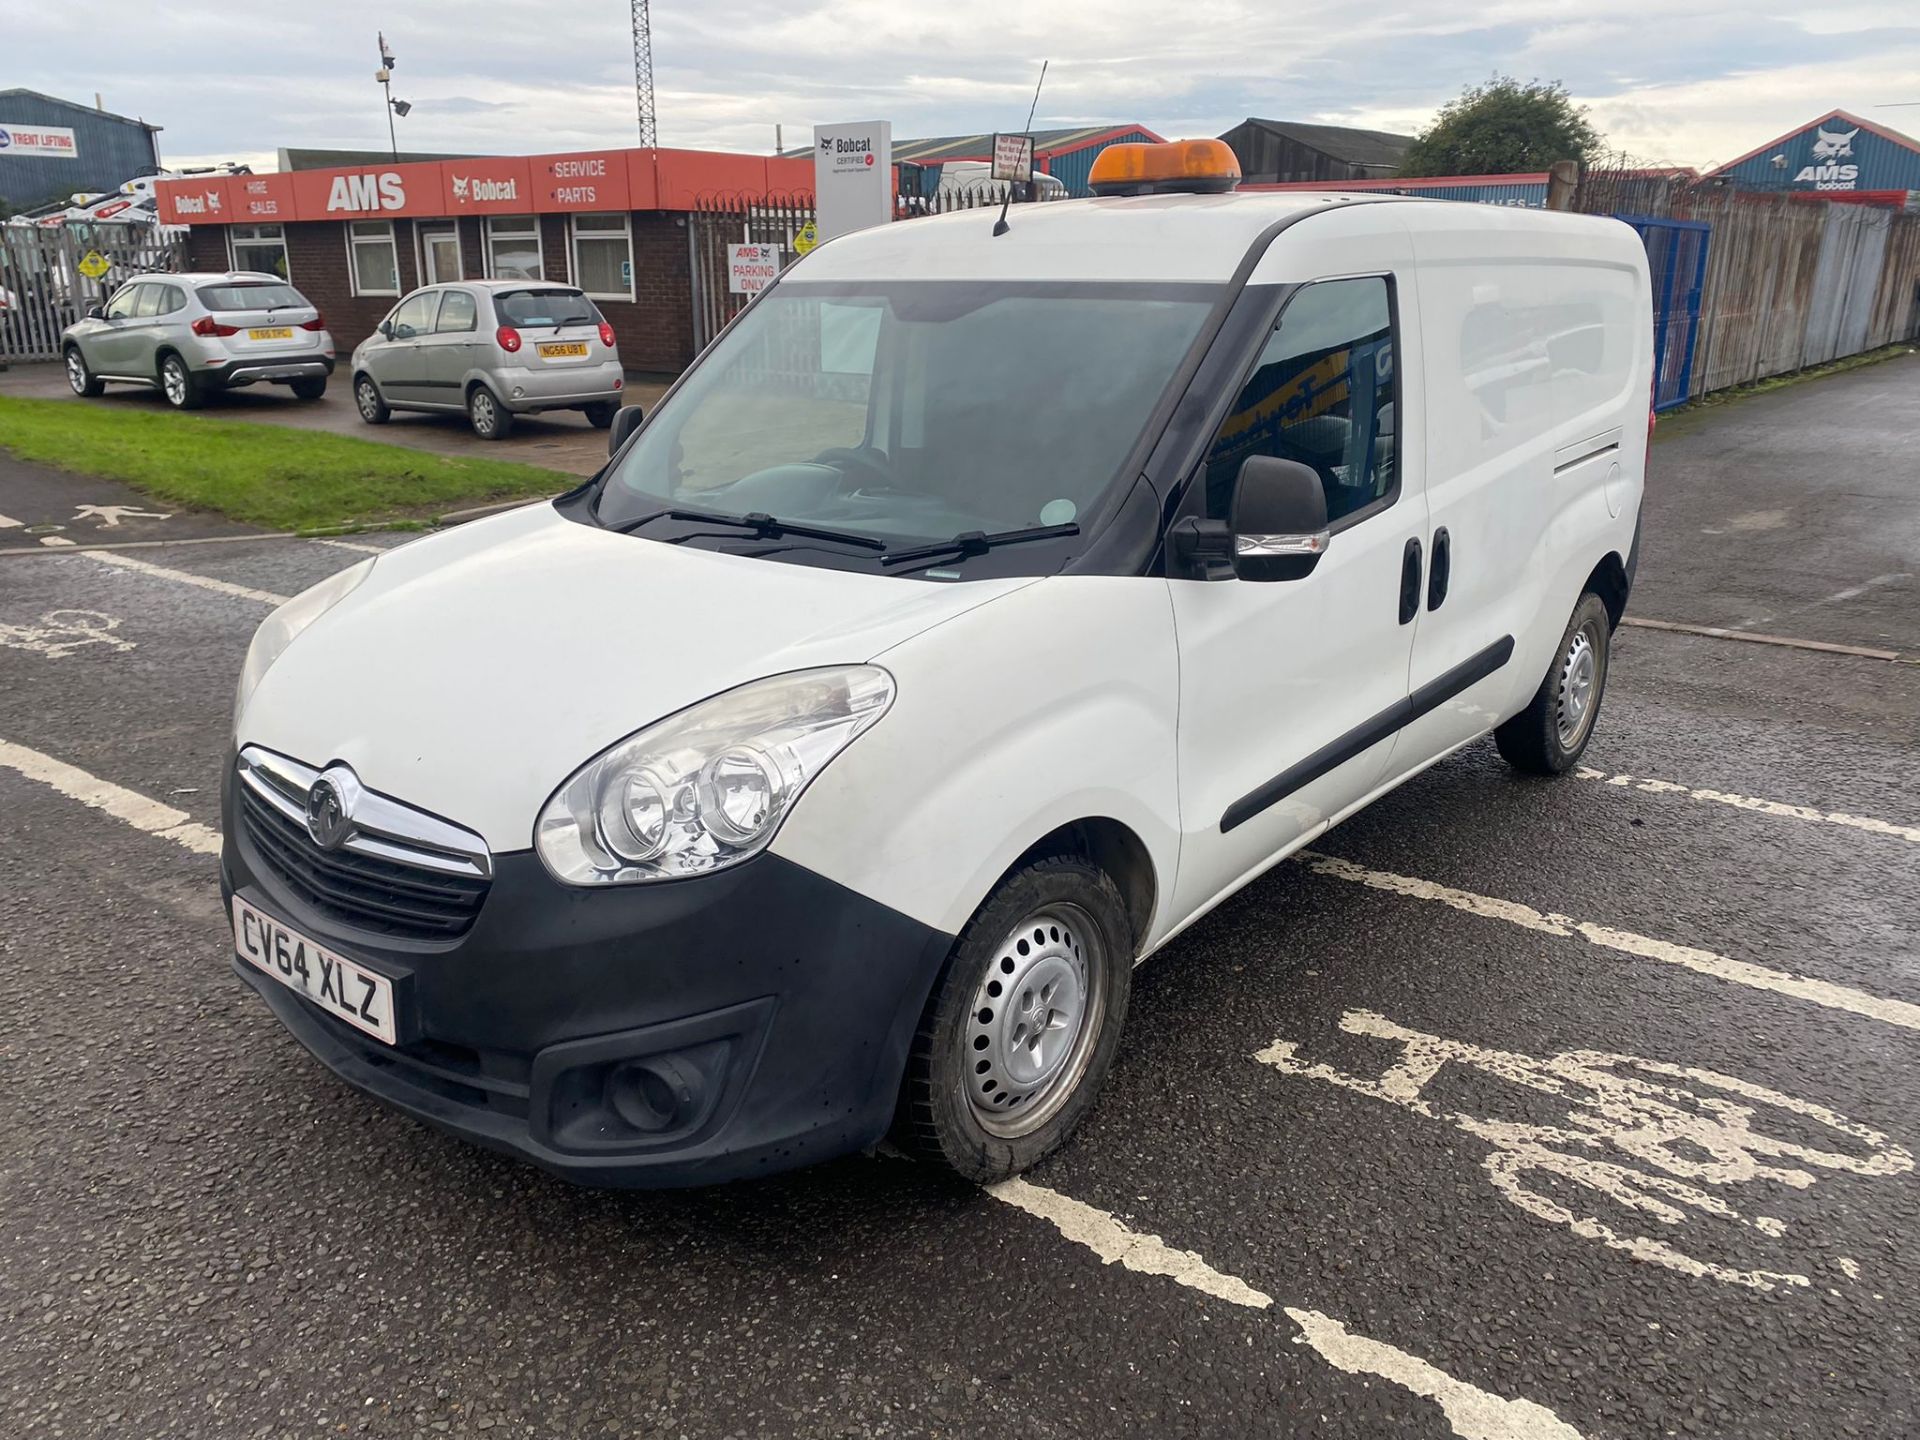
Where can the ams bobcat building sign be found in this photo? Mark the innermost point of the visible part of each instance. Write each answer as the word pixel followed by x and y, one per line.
pixel 1839 152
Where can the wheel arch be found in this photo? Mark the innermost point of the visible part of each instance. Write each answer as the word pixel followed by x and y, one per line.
pixel 1609 581
pixel 1116 849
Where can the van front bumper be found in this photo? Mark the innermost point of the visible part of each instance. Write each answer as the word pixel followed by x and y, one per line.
pixel 677 1033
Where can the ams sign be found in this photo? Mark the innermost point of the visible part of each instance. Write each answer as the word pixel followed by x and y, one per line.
pixel 366 192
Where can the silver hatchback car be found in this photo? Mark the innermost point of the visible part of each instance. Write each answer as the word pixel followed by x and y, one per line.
pixel 493 348
pixel 188 336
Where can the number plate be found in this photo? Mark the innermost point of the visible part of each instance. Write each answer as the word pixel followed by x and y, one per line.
pixel 279 333
pixel 563 351
pixel 343 989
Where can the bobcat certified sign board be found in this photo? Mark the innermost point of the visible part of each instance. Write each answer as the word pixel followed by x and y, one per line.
pixel 852 176
pixel 751 268
pixel 38 140
pixel 501 186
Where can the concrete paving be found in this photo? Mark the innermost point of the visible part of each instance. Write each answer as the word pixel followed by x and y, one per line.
pixel 561 440
pixel 1655 1180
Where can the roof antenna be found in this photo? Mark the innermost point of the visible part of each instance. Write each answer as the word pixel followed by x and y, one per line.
pixel 1000 226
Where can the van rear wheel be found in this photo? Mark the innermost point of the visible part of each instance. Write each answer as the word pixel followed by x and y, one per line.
pixel 1022 1025
pixel 1549 736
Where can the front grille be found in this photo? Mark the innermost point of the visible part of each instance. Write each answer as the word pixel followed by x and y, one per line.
pixel 433 897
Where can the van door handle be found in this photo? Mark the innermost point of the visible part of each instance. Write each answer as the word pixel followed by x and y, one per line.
pixel 1441 570
pixel 1410 581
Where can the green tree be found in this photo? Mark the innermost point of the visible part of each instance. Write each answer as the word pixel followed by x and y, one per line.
pixel 1503 127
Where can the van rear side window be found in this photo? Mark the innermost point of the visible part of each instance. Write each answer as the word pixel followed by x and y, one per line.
pixel 1322 393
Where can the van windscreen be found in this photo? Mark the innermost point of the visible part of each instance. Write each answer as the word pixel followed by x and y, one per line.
pixel 913 411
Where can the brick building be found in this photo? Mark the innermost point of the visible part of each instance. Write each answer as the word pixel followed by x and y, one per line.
pixel 356 237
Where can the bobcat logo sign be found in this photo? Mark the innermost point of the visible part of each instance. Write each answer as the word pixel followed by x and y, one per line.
pixel 1826 172
pixel 459 187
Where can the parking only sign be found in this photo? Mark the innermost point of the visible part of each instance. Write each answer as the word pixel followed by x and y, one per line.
pixel 751 268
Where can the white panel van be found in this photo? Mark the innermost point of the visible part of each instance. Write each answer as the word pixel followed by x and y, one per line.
pixel 977 612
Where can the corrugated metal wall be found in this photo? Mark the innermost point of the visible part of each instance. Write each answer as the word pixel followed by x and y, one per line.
pixel 1072 167
pixel 108 151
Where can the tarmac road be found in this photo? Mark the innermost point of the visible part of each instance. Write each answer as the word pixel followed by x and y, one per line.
pixel 1652 1173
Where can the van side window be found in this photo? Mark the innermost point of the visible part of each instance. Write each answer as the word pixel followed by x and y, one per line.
pixel 1323 394
pixel 457 312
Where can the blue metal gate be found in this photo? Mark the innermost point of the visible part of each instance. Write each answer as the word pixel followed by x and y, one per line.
pixel 1677 256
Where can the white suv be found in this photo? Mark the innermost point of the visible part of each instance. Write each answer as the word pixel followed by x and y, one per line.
pixel 189 335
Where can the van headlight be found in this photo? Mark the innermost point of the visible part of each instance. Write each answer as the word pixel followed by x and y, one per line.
pixel 706 788
pixel 283 626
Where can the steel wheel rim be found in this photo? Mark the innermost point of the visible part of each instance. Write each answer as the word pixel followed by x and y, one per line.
pixel 482 411
pixel 1577 693
pixel 173 377
pixel 369 402
pixel 76 371
pixel 1035 1019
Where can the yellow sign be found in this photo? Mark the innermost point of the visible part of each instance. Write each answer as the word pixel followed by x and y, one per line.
pixel 804 242
pixel 94 265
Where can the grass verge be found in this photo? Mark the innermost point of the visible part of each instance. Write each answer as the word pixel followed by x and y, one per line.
pixel 271 475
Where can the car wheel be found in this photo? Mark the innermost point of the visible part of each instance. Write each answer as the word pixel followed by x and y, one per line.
pixel 1022 1024
pixel 1550 735
pixel 490 419
pixel 177 384
pixel 311 388
pixel 600 416
pixel 79 376
pixel 366 399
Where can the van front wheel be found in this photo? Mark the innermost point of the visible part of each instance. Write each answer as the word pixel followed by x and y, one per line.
pixel 1022 1024
pixel 1549 736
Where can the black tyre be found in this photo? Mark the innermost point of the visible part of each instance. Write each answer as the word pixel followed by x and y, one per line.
pixel 1550 735
pixel 82 379
pixel 1022 1024
pixel 600 416
pixel 366 399
pixel 311 388
pixel 177 384
pixel 490 419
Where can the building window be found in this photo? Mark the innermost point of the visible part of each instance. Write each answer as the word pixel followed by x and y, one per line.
pixel 258 247
pixel 375 262
pixel 603 256
pixel 513 248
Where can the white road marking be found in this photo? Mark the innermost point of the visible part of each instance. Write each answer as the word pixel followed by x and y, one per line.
pixel 61 632
pixel 110 516
pixel 1704 962
pixel 187 577
pixel 122 804
pixel 1474 1414
pixel 7 522
pixel 1650 1138
pixel 349 545
pixel 55 540
pixel 1721 632
pixel 1760 807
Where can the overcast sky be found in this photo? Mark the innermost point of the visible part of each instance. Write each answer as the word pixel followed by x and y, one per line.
pixel 1675 81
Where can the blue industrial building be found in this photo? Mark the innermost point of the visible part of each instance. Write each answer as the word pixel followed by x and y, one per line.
pixel 51 148
pixel 1834 155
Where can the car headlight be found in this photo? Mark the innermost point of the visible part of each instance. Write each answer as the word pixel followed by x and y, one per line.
pixel 283 626
pixel 706 788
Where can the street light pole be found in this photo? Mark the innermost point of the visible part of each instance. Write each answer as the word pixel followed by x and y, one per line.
pixel 385 76
pixel 393 139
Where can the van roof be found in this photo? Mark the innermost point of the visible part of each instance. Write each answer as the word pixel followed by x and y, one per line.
pixel 1172 238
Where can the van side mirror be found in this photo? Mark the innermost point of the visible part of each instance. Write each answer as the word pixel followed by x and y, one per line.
pixel 626 420
pixel 1279 519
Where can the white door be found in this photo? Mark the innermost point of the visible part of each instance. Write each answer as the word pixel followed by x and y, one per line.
pixel 440 253
pixel 1292 690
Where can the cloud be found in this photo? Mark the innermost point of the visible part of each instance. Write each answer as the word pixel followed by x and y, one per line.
pixel 1683 80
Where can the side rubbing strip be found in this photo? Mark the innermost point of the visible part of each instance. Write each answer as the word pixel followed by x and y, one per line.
pixel 1395 717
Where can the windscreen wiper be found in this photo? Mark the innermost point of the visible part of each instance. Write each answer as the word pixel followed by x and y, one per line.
pixel 763 525
pixel 977 542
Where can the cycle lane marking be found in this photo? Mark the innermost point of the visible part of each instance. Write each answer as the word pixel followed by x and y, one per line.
pixel 1665 1141
pixel 1687 957
pixel 1752 804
